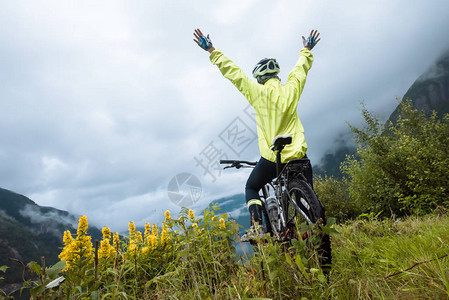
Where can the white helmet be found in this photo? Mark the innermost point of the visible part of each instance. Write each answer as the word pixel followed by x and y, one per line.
pixel 265 69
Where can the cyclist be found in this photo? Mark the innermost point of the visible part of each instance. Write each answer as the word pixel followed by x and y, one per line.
pixel 275 106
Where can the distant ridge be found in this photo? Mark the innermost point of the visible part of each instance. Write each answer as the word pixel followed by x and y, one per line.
pixel 430 91
pixel 235 206
pixel 28 232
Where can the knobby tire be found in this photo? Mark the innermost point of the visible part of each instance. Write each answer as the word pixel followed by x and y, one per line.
pixel 308 204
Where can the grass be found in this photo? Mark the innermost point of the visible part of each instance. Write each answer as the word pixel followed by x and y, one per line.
pixel 372 259
pixel 401 259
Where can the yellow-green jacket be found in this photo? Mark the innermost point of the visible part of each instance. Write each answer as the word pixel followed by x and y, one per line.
pixel 275 104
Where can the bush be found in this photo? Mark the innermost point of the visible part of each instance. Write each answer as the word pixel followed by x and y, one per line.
pixel 334 195
pixel 402 168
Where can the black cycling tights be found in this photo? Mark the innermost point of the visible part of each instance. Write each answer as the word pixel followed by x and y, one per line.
pixel 263 173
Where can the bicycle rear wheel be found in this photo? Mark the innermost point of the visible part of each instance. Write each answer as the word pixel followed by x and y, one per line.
pixel 303 206
pixel 308 208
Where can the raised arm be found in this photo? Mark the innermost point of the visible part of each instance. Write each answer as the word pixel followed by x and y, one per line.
pixel 297 77
pixel 227 67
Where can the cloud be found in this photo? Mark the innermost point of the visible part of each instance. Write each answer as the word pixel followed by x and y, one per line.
pixel 232 11
pixel 49 221
pixel 101 104
pixel 436 70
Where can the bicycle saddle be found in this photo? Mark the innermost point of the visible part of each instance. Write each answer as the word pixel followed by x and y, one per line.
pixel 281 141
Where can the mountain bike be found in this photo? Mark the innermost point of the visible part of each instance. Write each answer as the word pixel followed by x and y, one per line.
pixel 289 201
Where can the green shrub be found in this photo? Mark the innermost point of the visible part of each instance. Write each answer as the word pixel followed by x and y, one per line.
pixel 402 168
pixel 334 195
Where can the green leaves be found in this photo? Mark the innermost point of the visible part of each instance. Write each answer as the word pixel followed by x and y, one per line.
pixel 402 168
pixel 3 269
pixel 55 270
pixel 34 266
pixel 373 258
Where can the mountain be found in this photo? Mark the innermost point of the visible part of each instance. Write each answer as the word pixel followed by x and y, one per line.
pixel 430 91
pixel 329 164
pixel 28 232
pixel 235 206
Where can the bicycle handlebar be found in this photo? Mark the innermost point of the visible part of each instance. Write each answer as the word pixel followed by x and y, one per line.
pixel 238 163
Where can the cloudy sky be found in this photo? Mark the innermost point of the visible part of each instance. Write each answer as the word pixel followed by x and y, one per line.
pixel 105 104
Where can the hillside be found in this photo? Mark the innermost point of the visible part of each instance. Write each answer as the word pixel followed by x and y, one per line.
pixel 28 232
pixel 431 90
pixel 235 206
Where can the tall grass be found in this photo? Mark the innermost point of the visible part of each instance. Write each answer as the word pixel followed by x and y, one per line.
pixel 372 259
pixel 386 259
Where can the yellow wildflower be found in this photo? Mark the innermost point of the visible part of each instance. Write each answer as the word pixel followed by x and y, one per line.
pixel 191 215
pixel 155 231
pixel 106 250
pixel 82 226
pixel 152 241
pixel 66 251
pixel 132 237
pixel 139 237
pixel 147 231
pixel 167 215
pixel 67 239
pixel 165 235
pixel 131 247
pixel 116 241
pixel 82 245
pixel 132 230
pixel 222 223
pixel 83 241
pixel 106 233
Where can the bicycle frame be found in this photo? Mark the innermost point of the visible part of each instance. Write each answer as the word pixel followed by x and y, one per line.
pixel 291 192
pixel 278 223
